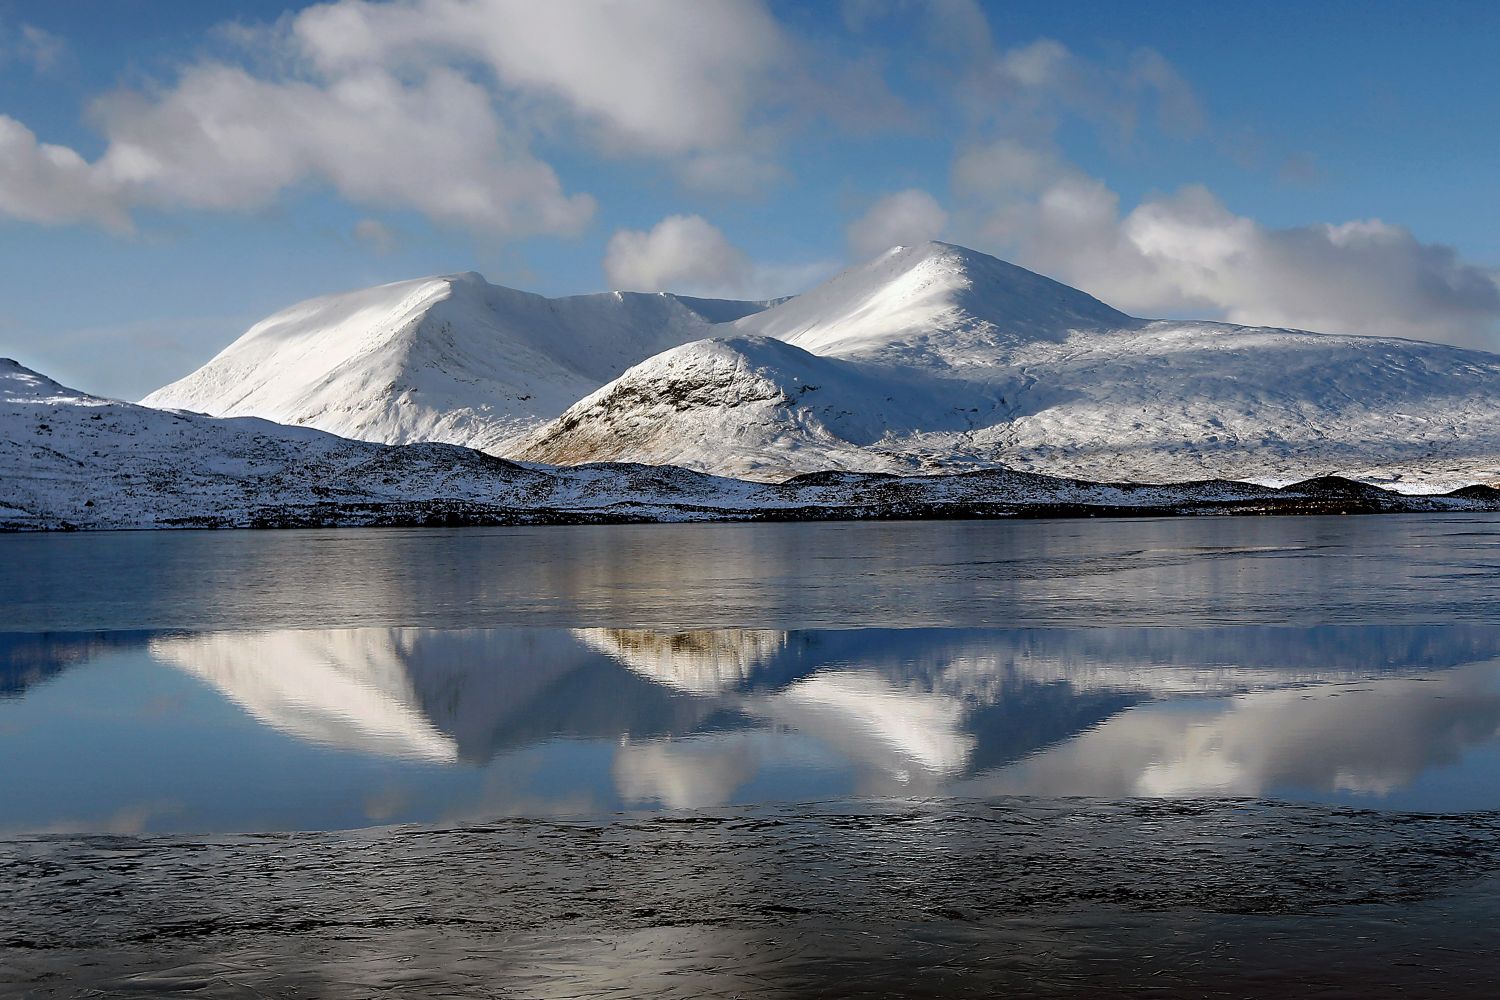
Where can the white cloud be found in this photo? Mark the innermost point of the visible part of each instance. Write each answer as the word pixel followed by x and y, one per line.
pixel 905 217
pixel 51 184
pixel 224 139
pixel 375 234
pixel 659 74
pixel 437 105
pixel 732 172
pixel 1041 64
pixel 684 253
pixel 1004 168
pixel 1184 253
pixel 1188 253
pixel 1027 87
pixel 689 255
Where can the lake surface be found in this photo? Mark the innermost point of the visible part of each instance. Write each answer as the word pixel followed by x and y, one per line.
pixel 1417 569
pixel 1210 756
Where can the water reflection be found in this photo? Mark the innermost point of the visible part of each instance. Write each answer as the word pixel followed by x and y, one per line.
pixel 1369 739
pixel 415 723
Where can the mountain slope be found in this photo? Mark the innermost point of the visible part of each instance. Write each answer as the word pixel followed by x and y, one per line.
pixel 68 458
pixel 451 359
pixel 938 358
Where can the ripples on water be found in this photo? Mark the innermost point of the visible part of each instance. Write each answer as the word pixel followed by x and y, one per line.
pixel 860 741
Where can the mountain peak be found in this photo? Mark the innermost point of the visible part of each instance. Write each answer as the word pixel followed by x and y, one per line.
pixel 934 298
pixel 449 358
pixel 472 279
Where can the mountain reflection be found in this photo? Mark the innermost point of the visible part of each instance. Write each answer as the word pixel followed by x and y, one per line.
pixel 1371 738
pixel 696 716
pixel 456 695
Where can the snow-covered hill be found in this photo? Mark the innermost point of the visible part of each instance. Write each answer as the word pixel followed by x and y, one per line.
pixel 935 357
pixel 71 460
pixel 934 305
pixel 451 359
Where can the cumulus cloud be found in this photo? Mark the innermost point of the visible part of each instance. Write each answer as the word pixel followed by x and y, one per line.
pixel 1029 86
pixel 1188 253
pixel 1184 252
pixel 680 253
pixel 735 172
pixel 1045 77
pixel 905 217
pixel 660 74
pixel 690 255
pixel 438 105
pixel 225 139
pixel 40 182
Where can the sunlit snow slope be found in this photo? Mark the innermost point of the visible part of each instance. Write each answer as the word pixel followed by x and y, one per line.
pixel 451 359
pixel 935 357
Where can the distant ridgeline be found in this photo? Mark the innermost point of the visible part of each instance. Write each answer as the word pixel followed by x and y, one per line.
pixel 77 461
pixel 932 381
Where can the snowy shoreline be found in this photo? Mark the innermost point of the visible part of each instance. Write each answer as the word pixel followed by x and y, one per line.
pixel 70 461
pixel 1328 496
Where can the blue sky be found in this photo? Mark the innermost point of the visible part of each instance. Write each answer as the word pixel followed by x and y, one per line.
pixel 172 171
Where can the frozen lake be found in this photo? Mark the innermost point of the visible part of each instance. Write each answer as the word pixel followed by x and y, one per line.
pixel 1156 740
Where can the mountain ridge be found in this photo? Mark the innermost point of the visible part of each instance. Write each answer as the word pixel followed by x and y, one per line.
pixel 449 358
pixel 1061 384
pixel 71 461
pixel 928 358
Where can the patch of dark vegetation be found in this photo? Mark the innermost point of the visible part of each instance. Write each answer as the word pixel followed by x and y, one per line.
pixel 838 477
pixel 460 514
pixel 1479 491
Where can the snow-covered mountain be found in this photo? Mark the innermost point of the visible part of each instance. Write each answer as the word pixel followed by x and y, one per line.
pixel 452 359
pixel 927 358
pixel 70 460
pixel 935 357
